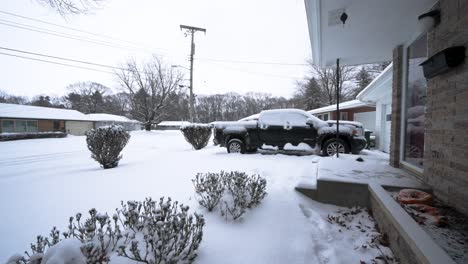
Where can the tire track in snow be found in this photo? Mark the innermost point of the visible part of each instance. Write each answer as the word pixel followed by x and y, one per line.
pixel 35 158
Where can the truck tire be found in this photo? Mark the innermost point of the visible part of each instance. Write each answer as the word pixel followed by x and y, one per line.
pixel 235 146
pixel 329 148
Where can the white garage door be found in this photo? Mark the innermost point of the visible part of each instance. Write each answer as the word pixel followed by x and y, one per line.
pixel 367 119
pixel 77 128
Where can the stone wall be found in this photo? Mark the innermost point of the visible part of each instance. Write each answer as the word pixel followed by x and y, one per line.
pixel 446 135
pixel 396 106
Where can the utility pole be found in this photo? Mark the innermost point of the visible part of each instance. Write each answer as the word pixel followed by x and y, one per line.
pixel 191 31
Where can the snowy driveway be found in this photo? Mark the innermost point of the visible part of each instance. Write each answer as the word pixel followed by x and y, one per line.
pixel 44 181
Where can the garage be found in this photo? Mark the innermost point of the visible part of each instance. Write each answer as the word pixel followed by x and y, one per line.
pixel 379 92
pixel 78 128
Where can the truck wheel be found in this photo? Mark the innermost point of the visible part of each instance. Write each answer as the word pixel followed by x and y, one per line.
pixel 330 146
pixel 235 146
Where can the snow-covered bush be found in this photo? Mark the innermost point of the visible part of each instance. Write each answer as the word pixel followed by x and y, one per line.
pixel 106 143
pixel 245 191
pixel 197 135
pixel 148 232
pixel 167 232
pixel 209 188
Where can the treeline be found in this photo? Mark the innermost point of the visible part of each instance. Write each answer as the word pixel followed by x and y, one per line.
pixel 152 92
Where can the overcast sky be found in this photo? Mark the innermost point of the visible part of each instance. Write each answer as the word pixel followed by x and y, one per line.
pixel 259 31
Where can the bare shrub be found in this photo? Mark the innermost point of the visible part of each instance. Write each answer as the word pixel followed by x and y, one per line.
pixel 149 232
pixel 168 232
pixel 246 191
pixel 210 188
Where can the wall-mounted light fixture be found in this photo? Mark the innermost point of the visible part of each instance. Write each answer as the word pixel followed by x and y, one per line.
pixel 429 20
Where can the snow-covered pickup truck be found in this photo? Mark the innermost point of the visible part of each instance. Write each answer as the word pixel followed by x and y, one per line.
pixel 282 126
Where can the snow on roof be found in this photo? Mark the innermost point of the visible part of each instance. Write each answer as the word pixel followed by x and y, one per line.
pixel 109 117
pixel 173 123
pixel 380 86
pixel 344 105
pixel 37 112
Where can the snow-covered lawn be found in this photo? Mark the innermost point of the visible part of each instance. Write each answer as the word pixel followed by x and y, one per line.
pixel 45 181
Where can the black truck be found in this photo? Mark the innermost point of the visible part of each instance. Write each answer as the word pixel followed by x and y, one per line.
pixel 278 127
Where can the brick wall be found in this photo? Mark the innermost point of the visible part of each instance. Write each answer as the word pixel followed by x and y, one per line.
pixel 396 106
pixel 446 136
pixel 352 111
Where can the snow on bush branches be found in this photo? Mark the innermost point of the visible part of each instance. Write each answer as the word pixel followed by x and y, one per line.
pixel 197 135
pixel 106 143
pixel 240 190
pixel 153 232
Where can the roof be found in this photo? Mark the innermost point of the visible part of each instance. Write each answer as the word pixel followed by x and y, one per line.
pixel 344 105
pixel 37 112
pixel 109 117
pixel 373 28
pixel 379 88
pixel 174 123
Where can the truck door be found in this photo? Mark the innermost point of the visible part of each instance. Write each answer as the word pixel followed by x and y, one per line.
pixel 297 130
pixel 271 129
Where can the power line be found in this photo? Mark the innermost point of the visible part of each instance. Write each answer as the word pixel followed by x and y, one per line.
pixel 252 62
pixel 66 59
pixel 62 35
pixel 53 62
pixel 72 28
pixel 108 66
pixel 113 44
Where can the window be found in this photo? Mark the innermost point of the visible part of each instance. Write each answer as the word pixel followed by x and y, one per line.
pixel 415 104
pixel 32 126
pixel 343 115
pixel 21 126
pixel 325 117
pixel 8 126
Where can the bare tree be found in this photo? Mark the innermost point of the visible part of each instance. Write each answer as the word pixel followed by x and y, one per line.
pixel 326 78
pixel 149 87
pixel 66 7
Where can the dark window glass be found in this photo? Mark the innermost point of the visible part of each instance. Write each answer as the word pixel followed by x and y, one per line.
pixel 8 126
pixel 415 106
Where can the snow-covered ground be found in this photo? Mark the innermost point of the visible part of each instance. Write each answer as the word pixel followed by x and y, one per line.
pixel 45 181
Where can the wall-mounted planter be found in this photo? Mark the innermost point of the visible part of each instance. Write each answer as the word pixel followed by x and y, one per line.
pixel 443 61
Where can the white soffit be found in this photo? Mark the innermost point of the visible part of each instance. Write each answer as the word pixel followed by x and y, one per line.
pixel 372 30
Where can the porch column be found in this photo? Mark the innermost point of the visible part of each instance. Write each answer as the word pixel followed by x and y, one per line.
pixel 397 90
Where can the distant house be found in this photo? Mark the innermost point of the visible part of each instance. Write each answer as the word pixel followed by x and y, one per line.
pixel 171 125
pixel 379 92
pixel 25 119
pixel 108 119
pixel 353 110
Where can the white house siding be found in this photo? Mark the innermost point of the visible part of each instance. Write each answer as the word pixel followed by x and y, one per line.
pixel 78 128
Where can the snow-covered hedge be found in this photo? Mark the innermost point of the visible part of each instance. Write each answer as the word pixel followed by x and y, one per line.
pixel 238 191
pixel 149 232
pixel 18 136
pixel 197 135
pixel 106 143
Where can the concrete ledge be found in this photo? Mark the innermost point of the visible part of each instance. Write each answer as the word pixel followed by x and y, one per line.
pixel 409 242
